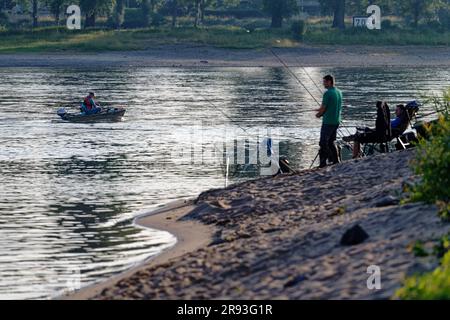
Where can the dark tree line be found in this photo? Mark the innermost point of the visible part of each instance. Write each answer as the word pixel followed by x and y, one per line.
pixel 413 10
pixel 277 10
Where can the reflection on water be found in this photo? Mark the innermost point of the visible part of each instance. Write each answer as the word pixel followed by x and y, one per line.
pixel 69 192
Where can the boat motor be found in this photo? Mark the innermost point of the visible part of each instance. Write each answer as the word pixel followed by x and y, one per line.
pixel 61 112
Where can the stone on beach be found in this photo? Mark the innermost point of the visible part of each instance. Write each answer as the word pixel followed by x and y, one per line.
pixel 353 236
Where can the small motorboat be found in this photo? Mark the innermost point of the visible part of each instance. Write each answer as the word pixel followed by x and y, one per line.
pixel 106 115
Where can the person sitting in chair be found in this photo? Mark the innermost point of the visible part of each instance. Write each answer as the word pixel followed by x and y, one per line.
pixel 385 129
pixel 89 106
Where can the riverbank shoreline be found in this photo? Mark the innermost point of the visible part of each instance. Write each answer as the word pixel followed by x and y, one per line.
pixel 280 238
pixel 208 56
pixel 191 235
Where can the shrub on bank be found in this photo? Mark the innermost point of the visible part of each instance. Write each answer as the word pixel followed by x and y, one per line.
pixel 134 18
pixel 432 162
pixel 433 285
pixel 298 29
pixel 433 165
pixel 430 286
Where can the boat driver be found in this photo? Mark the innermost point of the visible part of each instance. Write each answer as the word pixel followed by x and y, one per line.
pixel 89 106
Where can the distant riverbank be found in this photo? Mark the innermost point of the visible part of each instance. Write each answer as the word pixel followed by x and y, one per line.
pixel 181 55
pixel 242 35
pixel 280 238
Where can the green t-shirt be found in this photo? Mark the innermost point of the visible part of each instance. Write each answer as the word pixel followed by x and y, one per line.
pixel 332 100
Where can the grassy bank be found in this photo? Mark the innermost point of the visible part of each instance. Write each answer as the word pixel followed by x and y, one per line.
pixel 54 39
pixel 386 37
pixel 51 39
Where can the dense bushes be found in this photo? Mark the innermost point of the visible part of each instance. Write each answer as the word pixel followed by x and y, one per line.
pixel 433 285
pixel 3 19
pixel 237 13
pixel 298 29
pixel 433 160
pixel 134 18
pixel 433 165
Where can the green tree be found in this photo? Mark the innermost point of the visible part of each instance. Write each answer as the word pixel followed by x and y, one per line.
pixel 3 17
pixel 280 9
pixel 147 7
pixel 92 8
pixel 358 7
pixel 56 7
pixel 119 13
pixel 337 9
pixel 198 12
pixel 418 9
pixel 174 10
pixel 339 14
pixel 199 8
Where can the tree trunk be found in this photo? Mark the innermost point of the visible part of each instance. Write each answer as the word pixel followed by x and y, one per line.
pixel 197 13
pixel 57 12
pixel 152 5
pixel 90 20
pixel 146 10
pixel 202 12
pixel 35 13
pixel 339 14
pixel 277 16
pixel 174 13
pixel 416 13
pixel 119 13
pixel 277 21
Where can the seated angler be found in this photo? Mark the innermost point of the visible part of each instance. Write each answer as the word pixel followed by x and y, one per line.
pixel 367 135
pixel 89 106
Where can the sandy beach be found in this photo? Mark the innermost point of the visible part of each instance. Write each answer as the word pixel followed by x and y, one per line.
pixel 191 236
pixel 203 56
pixel 280 238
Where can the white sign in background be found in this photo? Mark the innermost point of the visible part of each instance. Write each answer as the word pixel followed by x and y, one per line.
pixel 74 19
pixel 371 22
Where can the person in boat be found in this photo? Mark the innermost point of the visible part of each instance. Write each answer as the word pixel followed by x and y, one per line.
pixel 398 126
pixel 89 106
pixel 330 111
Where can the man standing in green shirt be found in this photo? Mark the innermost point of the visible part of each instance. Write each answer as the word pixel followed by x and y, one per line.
pixel 330 110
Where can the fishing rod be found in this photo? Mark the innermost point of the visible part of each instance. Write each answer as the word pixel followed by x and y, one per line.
pixel 430 114
pixel 220 110
pixel 239 126
pixel 301 83
pixel 295 76
pixel 307 90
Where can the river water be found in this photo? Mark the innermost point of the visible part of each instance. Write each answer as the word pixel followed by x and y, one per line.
pixel 69 192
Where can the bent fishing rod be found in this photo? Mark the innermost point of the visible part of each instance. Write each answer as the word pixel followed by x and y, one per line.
pixel 238 125
pixel 431 113
pixel 295 76
pixel 308 91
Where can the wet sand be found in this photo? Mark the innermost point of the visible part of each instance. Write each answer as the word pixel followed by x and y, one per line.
pixel 279 238
pixel 191 235
pixel 203 56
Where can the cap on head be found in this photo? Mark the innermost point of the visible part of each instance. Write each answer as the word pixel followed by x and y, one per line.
pixel 92 94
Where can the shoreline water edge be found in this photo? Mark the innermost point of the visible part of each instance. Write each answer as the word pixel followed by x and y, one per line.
pixel 281 238
pixel 208 56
